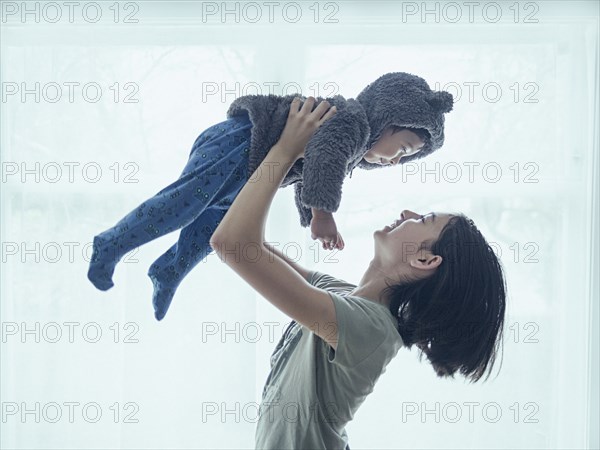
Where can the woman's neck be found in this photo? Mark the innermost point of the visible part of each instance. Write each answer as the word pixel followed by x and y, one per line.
pixel 372 284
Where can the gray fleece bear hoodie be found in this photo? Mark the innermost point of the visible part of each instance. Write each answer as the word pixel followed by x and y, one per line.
pixel 338 146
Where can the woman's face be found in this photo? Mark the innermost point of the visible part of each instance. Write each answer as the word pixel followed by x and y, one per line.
pixel 391 148
pixel 397 244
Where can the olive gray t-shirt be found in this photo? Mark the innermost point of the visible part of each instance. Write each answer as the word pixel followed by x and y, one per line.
pixel 312 390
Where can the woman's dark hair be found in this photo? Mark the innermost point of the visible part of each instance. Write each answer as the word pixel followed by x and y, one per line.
pixel 421 132
pixel 455 316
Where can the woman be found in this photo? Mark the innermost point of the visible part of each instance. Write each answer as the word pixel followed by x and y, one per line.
pixel 434 282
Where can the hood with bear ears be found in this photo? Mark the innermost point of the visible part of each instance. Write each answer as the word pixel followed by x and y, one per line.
pixel 403 99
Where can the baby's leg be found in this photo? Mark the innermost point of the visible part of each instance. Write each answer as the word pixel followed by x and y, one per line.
pixel 224 180
pixel 170 209
pixel 171 267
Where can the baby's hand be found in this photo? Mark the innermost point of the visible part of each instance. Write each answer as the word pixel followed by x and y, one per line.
pixel 323 228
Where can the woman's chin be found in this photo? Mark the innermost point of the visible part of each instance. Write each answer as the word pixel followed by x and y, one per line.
pixel 381 231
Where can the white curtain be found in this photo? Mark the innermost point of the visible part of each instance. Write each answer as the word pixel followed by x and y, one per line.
pixel 82 368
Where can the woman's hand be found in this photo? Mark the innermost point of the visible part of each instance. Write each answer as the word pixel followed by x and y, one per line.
pixel 302 124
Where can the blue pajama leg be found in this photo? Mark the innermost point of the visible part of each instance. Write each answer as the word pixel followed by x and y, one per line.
pixel 171 267
pixel 161 214
pixel 174 207
pixel 228 175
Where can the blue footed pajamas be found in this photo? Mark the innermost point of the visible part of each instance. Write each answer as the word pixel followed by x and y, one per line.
pixel 215 173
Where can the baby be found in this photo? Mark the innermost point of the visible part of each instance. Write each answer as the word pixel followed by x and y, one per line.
pixel 397 118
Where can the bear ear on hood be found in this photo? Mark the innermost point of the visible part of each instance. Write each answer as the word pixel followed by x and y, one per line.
pixel 442 101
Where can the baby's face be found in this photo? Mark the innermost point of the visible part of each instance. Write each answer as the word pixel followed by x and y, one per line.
pixel 391 148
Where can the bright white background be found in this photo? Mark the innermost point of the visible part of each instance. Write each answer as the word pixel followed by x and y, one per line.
pixel 194 379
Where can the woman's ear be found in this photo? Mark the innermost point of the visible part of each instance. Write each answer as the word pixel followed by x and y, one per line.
pixel 426 261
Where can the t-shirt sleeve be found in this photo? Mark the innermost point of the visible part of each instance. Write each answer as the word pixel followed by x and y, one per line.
pixel 324 280
pixel 361 325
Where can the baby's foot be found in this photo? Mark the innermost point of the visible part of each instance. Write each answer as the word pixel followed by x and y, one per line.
pixel 161 298
pixel 100 272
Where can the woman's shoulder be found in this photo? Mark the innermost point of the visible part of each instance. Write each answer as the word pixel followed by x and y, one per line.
pixel 323 279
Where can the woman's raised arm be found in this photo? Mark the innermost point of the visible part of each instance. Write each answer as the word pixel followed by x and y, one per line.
pixel 294 265
pixel 239 238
